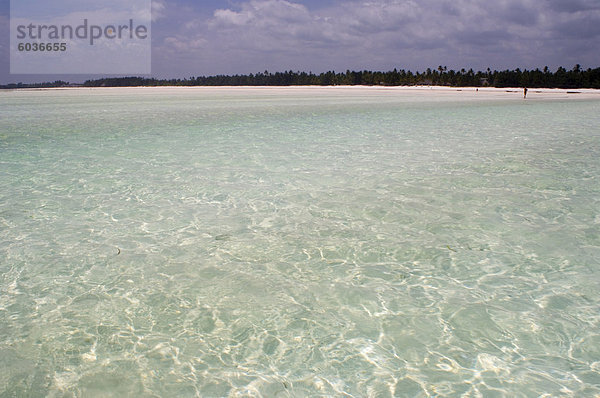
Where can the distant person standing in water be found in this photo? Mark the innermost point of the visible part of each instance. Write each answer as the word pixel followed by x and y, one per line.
pixel 524 92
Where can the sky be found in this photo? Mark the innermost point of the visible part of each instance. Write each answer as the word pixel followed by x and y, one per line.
pixel 196 38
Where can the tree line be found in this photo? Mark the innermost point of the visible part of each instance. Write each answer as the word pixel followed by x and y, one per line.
pixel 577 77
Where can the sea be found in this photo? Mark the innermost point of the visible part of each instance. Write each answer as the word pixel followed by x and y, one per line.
pixel 299 242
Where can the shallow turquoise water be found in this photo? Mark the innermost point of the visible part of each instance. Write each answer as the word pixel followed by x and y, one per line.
pixel 250 243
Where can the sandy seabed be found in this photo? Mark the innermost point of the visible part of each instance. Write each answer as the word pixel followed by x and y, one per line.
pixel 299 241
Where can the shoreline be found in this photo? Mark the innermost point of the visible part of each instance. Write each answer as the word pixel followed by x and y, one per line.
pixel 441 91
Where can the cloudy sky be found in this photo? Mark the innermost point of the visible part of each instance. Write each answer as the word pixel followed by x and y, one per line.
pixel 194 37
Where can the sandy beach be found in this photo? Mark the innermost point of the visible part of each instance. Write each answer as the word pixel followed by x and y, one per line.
pixel 415 93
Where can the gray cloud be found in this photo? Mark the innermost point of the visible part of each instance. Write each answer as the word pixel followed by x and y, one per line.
pixel 585 27
pixel 382 33
pixel 483 38
pixel 521 13
pixel 572 6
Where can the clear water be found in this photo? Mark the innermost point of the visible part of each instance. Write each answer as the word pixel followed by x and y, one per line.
pixel 284 243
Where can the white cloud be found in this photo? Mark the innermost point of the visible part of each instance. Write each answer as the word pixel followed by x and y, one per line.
pixel 158 10
pixel 228 17
pixel 270 16
pixel 181 43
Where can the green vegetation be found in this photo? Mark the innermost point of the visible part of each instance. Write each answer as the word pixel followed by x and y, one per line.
pixel 58 83
pixel 561 78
